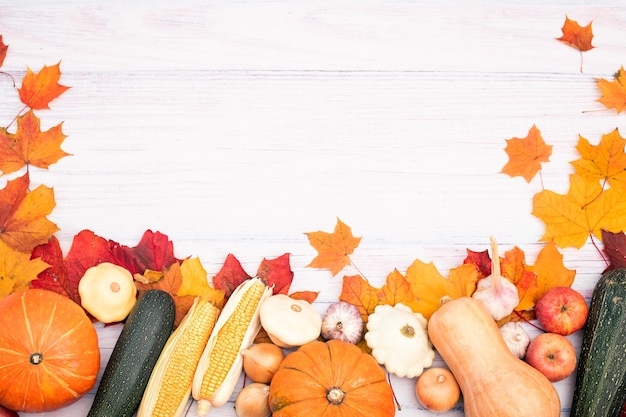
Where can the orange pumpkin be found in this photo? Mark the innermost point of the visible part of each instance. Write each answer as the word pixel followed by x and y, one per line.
pixel 333 378
pixel 49 354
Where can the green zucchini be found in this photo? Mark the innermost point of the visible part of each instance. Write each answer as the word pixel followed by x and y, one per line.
pixel 140 343
pixel 600 389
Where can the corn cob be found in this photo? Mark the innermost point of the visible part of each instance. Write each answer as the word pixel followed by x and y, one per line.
pixel 222 363
pixel 169 386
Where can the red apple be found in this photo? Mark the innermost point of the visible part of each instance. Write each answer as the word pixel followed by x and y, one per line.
pixel 553 355
pixel 561 310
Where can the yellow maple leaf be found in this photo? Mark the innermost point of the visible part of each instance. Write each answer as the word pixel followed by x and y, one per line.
pixel 613 92
pixel 195 282
pixel 430 287
pixel 585 210
pixel 17 269
pixel 333 248
pixel 550 270
pixel 605 162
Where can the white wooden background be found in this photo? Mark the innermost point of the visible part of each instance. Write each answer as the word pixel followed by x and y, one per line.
pixel 236 127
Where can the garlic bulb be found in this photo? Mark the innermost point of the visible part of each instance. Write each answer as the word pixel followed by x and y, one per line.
pixel 496 293
pixel 515 338
pixel 342 321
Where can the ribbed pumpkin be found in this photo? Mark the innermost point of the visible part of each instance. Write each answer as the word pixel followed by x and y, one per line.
pixel 329 379
pixel 49 354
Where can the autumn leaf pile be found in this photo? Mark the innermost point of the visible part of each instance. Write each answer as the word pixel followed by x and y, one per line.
pixel 593 208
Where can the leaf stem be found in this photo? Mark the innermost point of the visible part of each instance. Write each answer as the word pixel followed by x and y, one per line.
pixel 595 245
pixel 358 270
pixel 10 76
pixel 525 320
pixel 19 113
pixel 393 392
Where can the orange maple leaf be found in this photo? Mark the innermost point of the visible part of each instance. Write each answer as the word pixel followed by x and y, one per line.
pixel 550 270
pixel 3 51
pixel 605 162
pixel 514 268
pixel 576 36
pixel 17 269
pixel 613 92
pixel 171 282
pixel 526 155
pixel 430 287
pixel 357 291
pixel 23 222
pixel 333 248
pixel 584 211
pixel 29 145
pixel 397 290
pixel 38 90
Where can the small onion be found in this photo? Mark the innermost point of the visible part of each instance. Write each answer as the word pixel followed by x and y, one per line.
pixel 252 401
pixel 261 361
pixel 437 390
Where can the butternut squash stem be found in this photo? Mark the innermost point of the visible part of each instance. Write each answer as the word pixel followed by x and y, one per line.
pixel 495 264
pixel 393 392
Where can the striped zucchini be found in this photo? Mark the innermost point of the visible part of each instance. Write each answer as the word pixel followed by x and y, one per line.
pixel 600 389
pixel 137 350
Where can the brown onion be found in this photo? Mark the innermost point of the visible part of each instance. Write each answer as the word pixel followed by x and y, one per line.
pixel 252 401
pixel 437 390
pixel 261 361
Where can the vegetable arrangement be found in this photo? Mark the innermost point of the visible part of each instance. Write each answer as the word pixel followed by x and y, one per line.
pixel 184 338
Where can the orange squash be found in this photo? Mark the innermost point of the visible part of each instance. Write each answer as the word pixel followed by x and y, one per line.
pixel 329 379
pixel 49 354
pixel 493 381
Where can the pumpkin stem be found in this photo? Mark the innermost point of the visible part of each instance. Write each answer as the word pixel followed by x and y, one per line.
pixel 36 358
pixel 335 395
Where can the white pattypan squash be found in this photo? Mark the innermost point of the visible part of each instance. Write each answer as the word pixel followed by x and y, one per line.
pixel 399 340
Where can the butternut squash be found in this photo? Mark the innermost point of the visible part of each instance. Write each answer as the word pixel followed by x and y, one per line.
pixel 493 381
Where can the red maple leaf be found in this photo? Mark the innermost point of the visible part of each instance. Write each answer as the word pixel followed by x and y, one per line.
pixel 274 272
pixel 615 249
pixel 53 278
pixel 154 251
pixel 3 51
pixel 277 273
pixel 481 260
pixel 230 276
